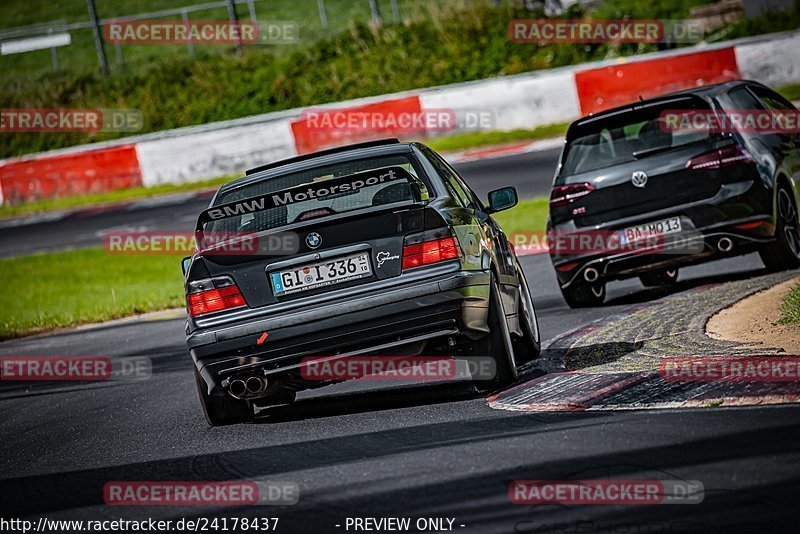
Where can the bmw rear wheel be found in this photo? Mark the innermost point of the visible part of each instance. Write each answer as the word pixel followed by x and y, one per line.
pixel 527 347
pixel 221 410
pixel 498 344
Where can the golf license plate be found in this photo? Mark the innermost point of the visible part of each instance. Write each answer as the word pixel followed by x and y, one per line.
pixel 321 274
pixel 653 229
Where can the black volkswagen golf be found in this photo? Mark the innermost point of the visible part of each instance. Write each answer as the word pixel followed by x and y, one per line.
pixel 372 249
pixel 637 196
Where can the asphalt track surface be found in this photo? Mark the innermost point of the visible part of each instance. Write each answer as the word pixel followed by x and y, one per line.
pixel 367 449
pixel 531 174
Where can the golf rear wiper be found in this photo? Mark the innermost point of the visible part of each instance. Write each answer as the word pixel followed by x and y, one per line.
pixel 650 151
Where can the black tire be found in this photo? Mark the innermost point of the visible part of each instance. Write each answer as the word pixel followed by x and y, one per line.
pixel 279 397
pixel 584 295
pixel 664 277
pixel 222 410
pixel 498 344
pixel 528 347
pixel 784 252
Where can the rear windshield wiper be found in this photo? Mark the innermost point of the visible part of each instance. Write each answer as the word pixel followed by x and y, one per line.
pixel 650 151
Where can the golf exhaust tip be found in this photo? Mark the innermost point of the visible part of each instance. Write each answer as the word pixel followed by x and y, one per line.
pixel 725 244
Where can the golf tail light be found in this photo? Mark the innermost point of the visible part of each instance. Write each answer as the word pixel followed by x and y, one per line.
pixel 212 295
pixel 765 228
pixel 723 157
pixel 431 251
pixel 563 195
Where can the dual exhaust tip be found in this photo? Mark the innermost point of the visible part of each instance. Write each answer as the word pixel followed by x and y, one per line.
pixel 247 387
pixel 725 244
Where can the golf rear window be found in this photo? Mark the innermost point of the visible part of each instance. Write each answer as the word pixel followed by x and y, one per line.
pixel 626 136
pixel 312 208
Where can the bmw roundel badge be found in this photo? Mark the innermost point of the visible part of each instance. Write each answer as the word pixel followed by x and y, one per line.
pixel 313 240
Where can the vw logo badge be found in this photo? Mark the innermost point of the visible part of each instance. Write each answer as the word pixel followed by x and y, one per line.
pixel 313 240
pixel 639 179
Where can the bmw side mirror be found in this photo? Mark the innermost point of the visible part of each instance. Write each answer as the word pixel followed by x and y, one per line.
pixel 185 264
pixel 502 199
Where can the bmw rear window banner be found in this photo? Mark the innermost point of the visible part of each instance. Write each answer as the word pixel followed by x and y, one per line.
pixel 301 193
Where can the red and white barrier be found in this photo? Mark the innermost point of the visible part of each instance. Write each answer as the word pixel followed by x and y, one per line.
pixel 615 85
pixel 521 101
pixel 527 101
pixel 209 153
pixel 79 173
pixel 321 128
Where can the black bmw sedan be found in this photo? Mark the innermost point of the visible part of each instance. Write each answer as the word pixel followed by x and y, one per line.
pixel 393 255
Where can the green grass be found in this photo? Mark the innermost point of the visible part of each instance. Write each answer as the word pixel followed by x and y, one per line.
pixel 63 289
pixel 790 307
pixel 83 286
pixel 476 139
pixel 528 216
pixel 118 195
pixel 790 92
pixel 81 55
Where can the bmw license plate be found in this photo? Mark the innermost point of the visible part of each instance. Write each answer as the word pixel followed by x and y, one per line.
pixel 321 274
pixel 653 229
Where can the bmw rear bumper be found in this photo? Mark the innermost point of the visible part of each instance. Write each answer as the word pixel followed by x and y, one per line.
pixel 454 303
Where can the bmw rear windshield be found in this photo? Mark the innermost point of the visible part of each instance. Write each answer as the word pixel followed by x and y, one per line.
pixel 627 135
pixel 404 182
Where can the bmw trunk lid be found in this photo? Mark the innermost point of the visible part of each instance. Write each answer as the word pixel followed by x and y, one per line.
pixel 327 231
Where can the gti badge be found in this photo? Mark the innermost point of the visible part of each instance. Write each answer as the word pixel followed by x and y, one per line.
pixel 639 179
pixel 313 240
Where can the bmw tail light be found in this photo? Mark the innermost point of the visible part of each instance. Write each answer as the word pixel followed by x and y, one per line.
pixel 212 295
pixel 563 195
pixel 723 157
pixel 428 251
